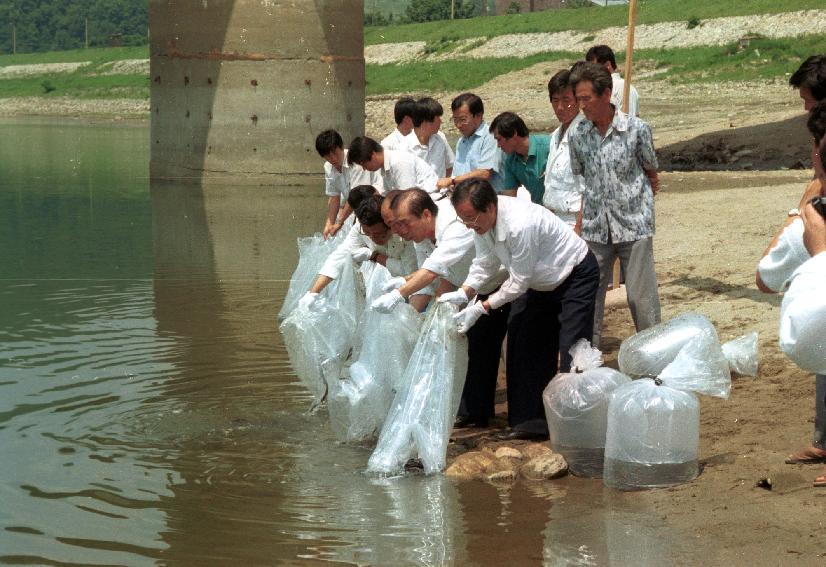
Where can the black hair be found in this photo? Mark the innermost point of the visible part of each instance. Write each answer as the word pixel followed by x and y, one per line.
pixel 479 192
pixel 368 211
pixel 358 194
pixel 508 125
pixel 417 200
pixel 601 54
pixel 473 102
pixel 327 141
pixel 405 106
pixel 362 149
pixel 598 75
pixel 812 75
pixel 427 109
pixel 559 83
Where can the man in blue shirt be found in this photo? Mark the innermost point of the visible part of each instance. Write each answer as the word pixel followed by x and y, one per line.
pixel 526 155
pixel 477 156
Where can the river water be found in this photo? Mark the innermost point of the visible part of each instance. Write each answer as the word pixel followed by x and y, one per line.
pixel 148 412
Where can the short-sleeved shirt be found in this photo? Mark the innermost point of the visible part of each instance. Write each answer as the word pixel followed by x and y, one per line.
pixel 403 170
pixel 803 316
pixel 479 151
pixel 776 267
pixel 395 140
pixel 617 201
pixel 563 189
pixel 436 152
pixel 338 183
pixel 529 171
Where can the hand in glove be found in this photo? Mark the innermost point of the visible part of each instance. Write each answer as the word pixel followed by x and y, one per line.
pixel 361 254
pixel 387 302
pixel 394 283
pixel 455 297
pixel 467 317
pixel 308 300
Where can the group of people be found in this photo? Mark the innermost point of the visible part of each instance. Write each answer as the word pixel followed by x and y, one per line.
pixel 795 263
pixel 519 230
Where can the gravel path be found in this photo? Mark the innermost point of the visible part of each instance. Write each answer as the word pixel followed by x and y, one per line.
pixel 718 31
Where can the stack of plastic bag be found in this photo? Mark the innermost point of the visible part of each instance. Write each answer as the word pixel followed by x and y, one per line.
pixel 320 340
pixel 576 407
pixel 359 399
pixel 312 252
pixel 741 354
pixel 654 424
pixel 423 411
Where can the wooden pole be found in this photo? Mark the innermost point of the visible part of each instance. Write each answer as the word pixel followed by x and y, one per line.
pixel 452 9
pixel 86 33
pixel 626 94
pixel 14 39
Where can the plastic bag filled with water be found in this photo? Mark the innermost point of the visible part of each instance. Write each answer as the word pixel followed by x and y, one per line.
pixel 424 408
pixel 653 436
pixel 741 354
pixel 359 399
pixel 320 339
pixel 576 407
pixel 312 252
pixel 651 350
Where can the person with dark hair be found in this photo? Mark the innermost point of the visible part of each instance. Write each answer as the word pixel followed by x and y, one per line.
pixel 399 169
pixel 477 156
pixel 526 155
pixel 614 153
pixel 551 272
pixel 444 247
pixel 563 189
pixel 810 80
pixel 430 143
pixel 402 137
pixel 604 55
pixel 339 177
pixel 369 240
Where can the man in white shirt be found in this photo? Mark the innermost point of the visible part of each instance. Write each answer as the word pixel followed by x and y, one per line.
pixel 604 55
pixel 445 251
pixel 339 177
pixel 563 189
pixel 429 143
pixel 399 169
pixel 552 268
pixel 402 137
pixel 803 324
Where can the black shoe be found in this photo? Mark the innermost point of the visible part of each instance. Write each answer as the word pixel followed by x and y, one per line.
pixel 515 434
pixel 464 421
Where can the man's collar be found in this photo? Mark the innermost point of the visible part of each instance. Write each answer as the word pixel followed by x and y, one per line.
pixel 480 131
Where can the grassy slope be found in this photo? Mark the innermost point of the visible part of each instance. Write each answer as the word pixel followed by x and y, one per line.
pixel 587 19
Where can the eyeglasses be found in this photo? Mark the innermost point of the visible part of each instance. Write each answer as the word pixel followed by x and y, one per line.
pixel 461 120
pixel 470 223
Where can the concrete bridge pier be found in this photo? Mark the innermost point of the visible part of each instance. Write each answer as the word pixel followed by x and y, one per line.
pixel 240 88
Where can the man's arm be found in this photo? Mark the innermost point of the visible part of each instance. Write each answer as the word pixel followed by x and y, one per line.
pixel 651 174
pixel 485 174
pixel 330 225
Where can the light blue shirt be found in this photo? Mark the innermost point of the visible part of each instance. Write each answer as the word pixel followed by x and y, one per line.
pixel 479 151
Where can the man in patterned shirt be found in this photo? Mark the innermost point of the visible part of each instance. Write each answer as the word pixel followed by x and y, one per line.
pixel 614 152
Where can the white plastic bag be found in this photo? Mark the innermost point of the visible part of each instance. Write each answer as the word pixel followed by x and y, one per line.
pixel 700 367
pixel 424 408
pixel 576 407
pixel 741 354
pixel 359 399
pixel 320 340
pixel 651 350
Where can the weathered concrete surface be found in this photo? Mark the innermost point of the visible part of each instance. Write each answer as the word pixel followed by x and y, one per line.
pixel 241 88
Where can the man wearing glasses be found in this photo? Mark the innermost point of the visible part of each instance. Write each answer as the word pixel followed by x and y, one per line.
pixel 550 268
pixel 444 246
pixel 477 156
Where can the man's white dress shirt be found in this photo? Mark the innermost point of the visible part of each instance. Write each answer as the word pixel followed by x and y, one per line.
pixel 401 255
pixel 436 152
pixel 395 140
pixel 403 170
pixel 803 316
pixel 338 183
pixel 563 189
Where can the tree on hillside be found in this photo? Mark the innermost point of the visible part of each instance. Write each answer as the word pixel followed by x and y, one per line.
pixel 431 10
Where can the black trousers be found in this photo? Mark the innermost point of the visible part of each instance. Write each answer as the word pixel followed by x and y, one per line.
pixel 484 351
pixel 543 327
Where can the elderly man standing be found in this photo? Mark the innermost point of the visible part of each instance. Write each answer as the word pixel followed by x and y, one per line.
pixel 555 277
pixel 614 152
pixel 477 156
pixel 563 189
pixel 526 155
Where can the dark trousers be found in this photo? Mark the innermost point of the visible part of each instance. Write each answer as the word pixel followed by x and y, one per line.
pixel 543 327
pixel 484 351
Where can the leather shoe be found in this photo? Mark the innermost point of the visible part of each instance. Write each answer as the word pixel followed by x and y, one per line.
pixel 515 434
pixel 470 421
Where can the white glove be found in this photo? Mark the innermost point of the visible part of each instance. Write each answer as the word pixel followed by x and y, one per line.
pixel 361 254
pixel 387 302
pixel 394 283
pixel 467 317
pixel 455 297
pixel 308 300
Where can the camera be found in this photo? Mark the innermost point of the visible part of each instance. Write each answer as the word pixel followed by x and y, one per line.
pixel 819 203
